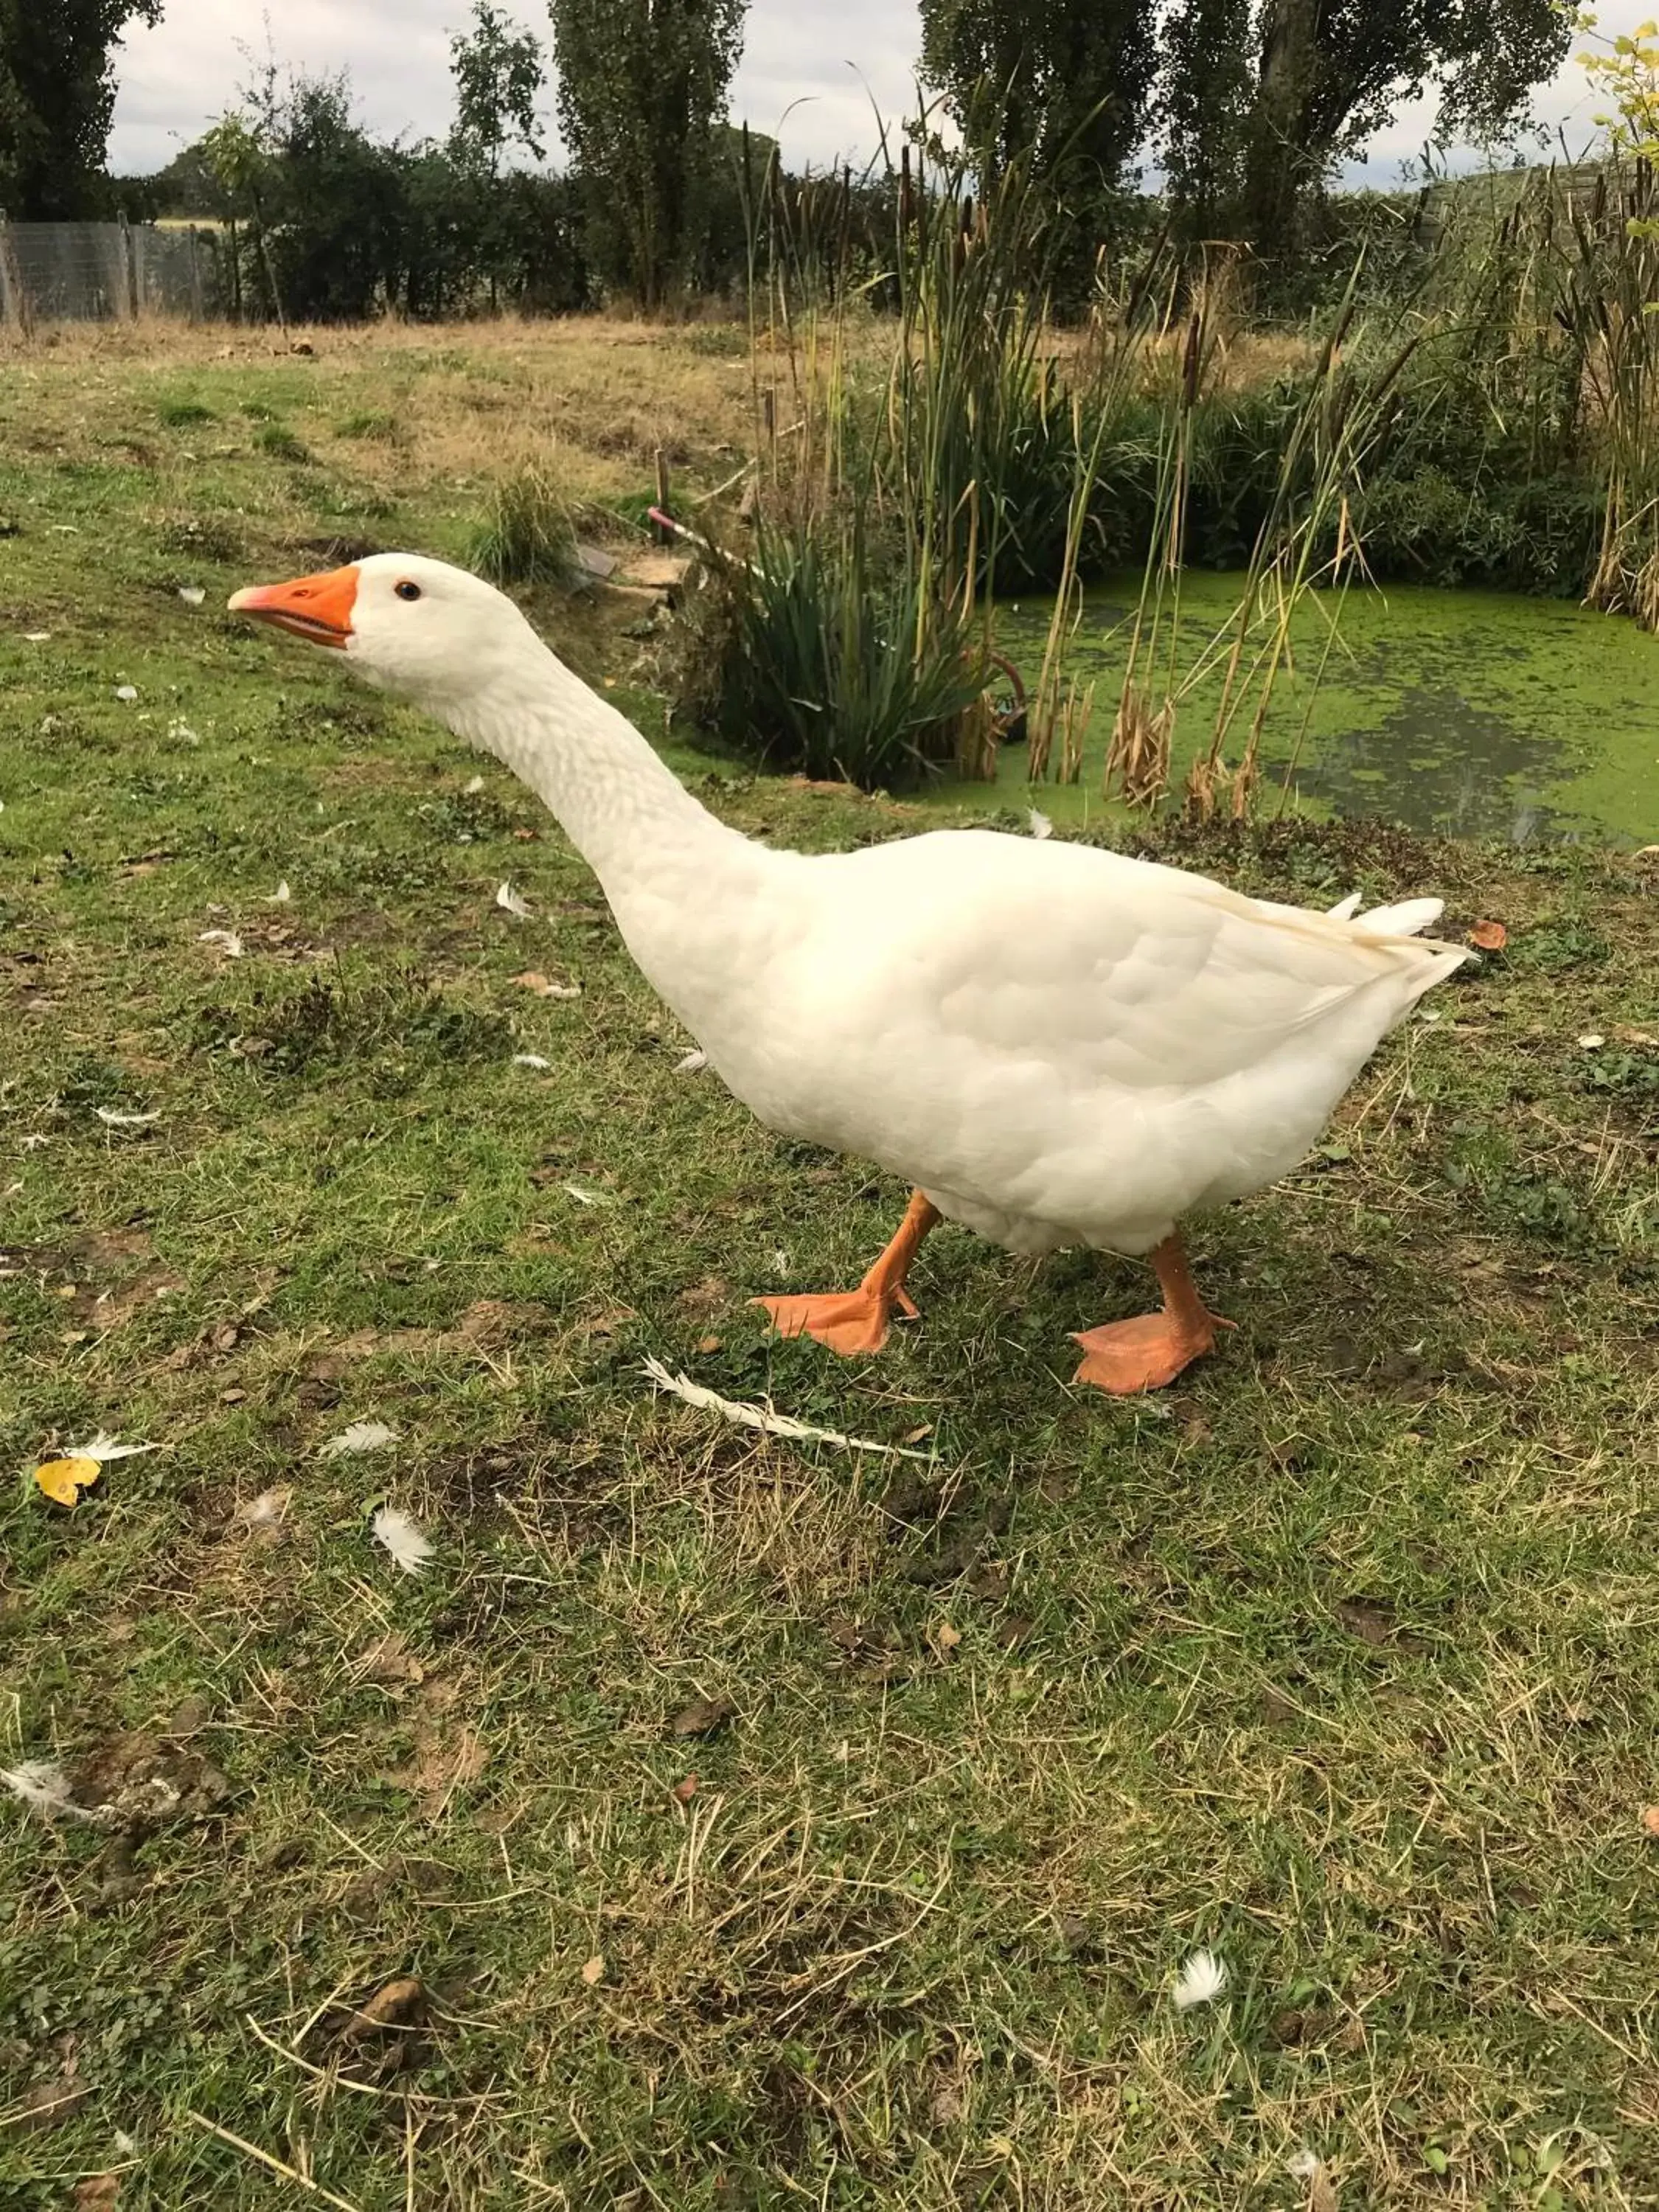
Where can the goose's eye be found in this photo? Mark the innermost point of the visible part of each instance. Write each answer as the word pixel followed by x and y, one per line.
pixel 408 590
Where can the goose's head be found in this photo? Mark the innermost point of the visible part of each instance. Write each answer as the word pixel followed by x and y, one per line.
pixel 417 627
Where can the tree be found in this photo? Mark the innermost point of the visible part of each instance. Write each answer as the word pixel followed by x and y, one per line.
pixel 1323 75
pixel 1061 81
pixel 1204 112
pixel 642 85
pixel 498 74
pixel 57 97
pixel 1061 84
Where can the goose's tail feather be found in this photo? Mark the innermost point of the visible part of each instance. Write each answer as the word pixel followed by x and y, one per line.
pixel 1409 918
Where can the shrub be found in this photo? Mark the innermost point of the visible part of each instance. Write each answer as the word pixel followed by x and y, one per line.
pixel 829 659
pixel 525 536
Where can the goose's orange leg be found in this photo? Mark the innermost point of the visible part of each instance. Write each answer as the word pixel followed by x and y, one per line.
pixel 1126 1356
pixel 856 1320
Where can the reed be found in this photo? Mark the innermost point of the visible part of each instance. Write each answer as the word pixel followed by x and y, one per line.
pixel 928 442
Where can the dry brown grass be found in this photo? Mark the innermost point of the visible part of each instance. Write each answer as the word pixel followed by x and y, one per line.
pixel 467 400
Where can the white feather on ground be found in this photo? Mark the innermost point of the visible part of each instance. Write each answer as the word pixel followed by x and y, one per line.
pixel 766 1418
pixel 43 1786
pixel 267 1512
pixel 360 1437
pixel 402 1538
pixel 509 903
pixel 103 1447
pixel 1201 1981
pixel 224 941
pixel 585 1197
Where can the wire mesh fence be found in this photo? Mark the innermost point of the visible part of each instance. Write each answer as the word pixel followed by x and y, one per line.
pixel 92 271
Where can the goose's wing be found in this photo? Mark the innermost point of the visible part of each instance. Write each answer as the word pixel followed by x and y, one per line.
pixel 1128 972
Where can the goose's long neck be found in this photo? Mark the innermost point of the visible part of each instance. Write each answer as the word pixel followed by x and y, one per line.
pixel 625 812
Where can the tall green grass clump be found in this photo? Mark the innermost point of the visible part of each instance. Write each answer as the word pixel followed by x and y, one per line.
pixel 525 535
pixel 823 657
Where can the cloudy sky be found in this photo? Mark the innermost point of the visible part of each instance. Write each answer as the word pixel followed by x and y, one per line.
pixel 812 72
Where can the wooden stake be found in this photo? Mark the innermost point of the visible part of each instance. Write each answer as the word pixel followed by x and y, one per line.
pixel 662 492
pixel 129 265
pixel 15 306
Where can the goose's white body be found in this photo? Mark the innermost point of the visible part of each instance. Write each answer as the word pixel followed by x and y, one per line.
pixel 1057 1045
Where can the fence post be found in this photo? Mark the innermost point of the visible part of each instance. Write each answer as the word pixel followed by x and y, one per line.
pixel 195 278
pixel 14 299
pixel 129 265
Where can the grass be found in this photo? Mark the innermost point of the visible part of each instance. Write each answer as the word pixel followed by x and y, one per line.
pixel 526 536
pixel 1340 1658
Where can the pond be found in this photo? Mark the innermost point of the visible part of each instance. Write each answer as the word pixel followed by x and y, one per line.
pixel 1470 714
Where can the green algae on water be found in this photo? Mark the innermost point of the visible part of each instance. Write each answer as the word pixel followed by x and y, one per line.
pixel 1471 714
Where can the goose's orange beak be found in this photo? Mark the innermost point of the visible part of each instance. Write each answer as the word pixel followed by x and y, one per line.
pixel 317 607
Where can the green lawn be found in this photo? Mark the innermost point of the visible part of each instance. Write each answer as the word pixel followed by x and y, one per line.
pixel 1342 1658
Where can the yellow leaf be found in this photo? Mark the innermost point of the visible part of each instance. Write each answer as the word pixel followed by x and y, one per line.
pixel 63 1479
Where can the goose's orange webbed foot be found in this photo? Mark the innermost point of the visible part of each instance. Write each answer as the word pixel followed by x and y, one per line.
pixel 1144 1354
pixel 851 1321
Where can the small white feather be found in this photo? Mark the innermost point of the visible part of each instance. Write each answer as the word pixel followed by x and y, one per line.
pixel 583 1196
pixel 1040 825
pixel 267 1511
pixel 1303 2165
pixel 192 594
pixel 561 991
pixel 691 1064
pixel 509 901
pixel 766 1418
pixel 43 1786
pixel 226 940
pixel 470 788
pixel 103 1447
pixel 118 1120
pixel 1201 1981
pixel 360 1437
pixel 402 1538
pixel 281 895
pixel 529 1059
pixel 126 693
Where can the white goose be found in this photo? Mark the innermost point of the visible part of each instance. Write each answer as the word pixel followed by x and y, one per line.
pixel 1052 1045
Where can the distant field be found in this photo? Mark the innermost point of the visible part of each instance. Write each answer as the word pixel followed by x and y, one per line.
pixel 765 1825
